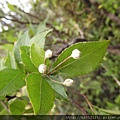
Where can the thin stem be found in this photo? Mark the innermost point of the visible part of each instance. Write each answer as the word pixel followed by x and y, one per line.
pixel 5 106
pixel 55 81
pixel 90 105
pixel 52 71
pixel 45 61
pixel 78 106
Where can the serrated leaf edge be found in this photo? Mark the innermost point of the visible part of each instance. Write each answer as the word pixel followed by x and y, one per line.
pixel 7 85
pixel 107 41
pixel 29 94
pixel 27 56
pixel 81 58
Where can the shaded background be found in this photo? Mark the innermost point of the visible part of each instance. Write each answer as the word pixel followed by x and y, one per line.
pixel 72 21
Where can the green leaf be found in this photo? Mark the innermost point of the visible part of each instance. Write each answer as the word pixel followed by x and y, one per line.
pixel 10 61
pixel 111 112
pixel 1 12
pixel 11 7
pixel 40 38
pixel 59 89
pixel 2 66
pixel 40 93
pixel 17 107
pixel 91 56
pixel 37 55
pixel 29 111
pixel 2 98
pixel 4 112
pixel 41 27
pixel 11 80
pixel 25 55
pixel 10 37
pixel 8 47
pixel 1 106
pixel 22 41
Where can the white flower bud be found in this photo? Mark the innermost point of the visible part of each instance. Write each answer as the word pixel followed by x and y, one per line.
pixel 48 54
pixel 68 82
pixel 75 54
pixel 42 68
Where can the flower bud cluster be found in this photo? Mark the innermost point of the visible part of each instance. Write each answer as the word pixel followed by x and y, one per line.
pixel 48 54
pixel 42 68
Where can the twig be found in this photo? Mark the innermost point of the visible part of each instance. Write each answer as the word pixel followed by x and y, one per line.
pixel 78 106
pixel 18 21
pixel 90 105
pixel 35 23
pixel 34 16
pixel 48 24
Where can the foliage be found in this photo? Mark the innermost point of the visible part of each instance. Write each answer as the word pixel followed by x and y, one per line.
pixel 23 46
pixel 41 92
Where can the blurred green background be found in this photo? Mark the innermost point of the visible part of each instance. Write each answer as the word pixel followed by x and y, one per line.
pixel 71 20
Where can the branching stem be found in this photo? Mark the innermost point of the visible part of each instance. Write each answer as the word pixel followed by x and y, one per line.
pixel 54 69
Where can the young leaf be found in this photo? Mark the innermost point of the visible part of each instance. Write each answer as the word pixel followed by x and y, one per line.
pixel 22 41
pixel 41 27
pixel 91 56
pixel 37 55
pixel 11 7
pixel 2 66
pixel 40 93
pixel 25 55
pixel 17 107
pixel 40 38
pixel 11 80
pixel 10 61
pixel 59 89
